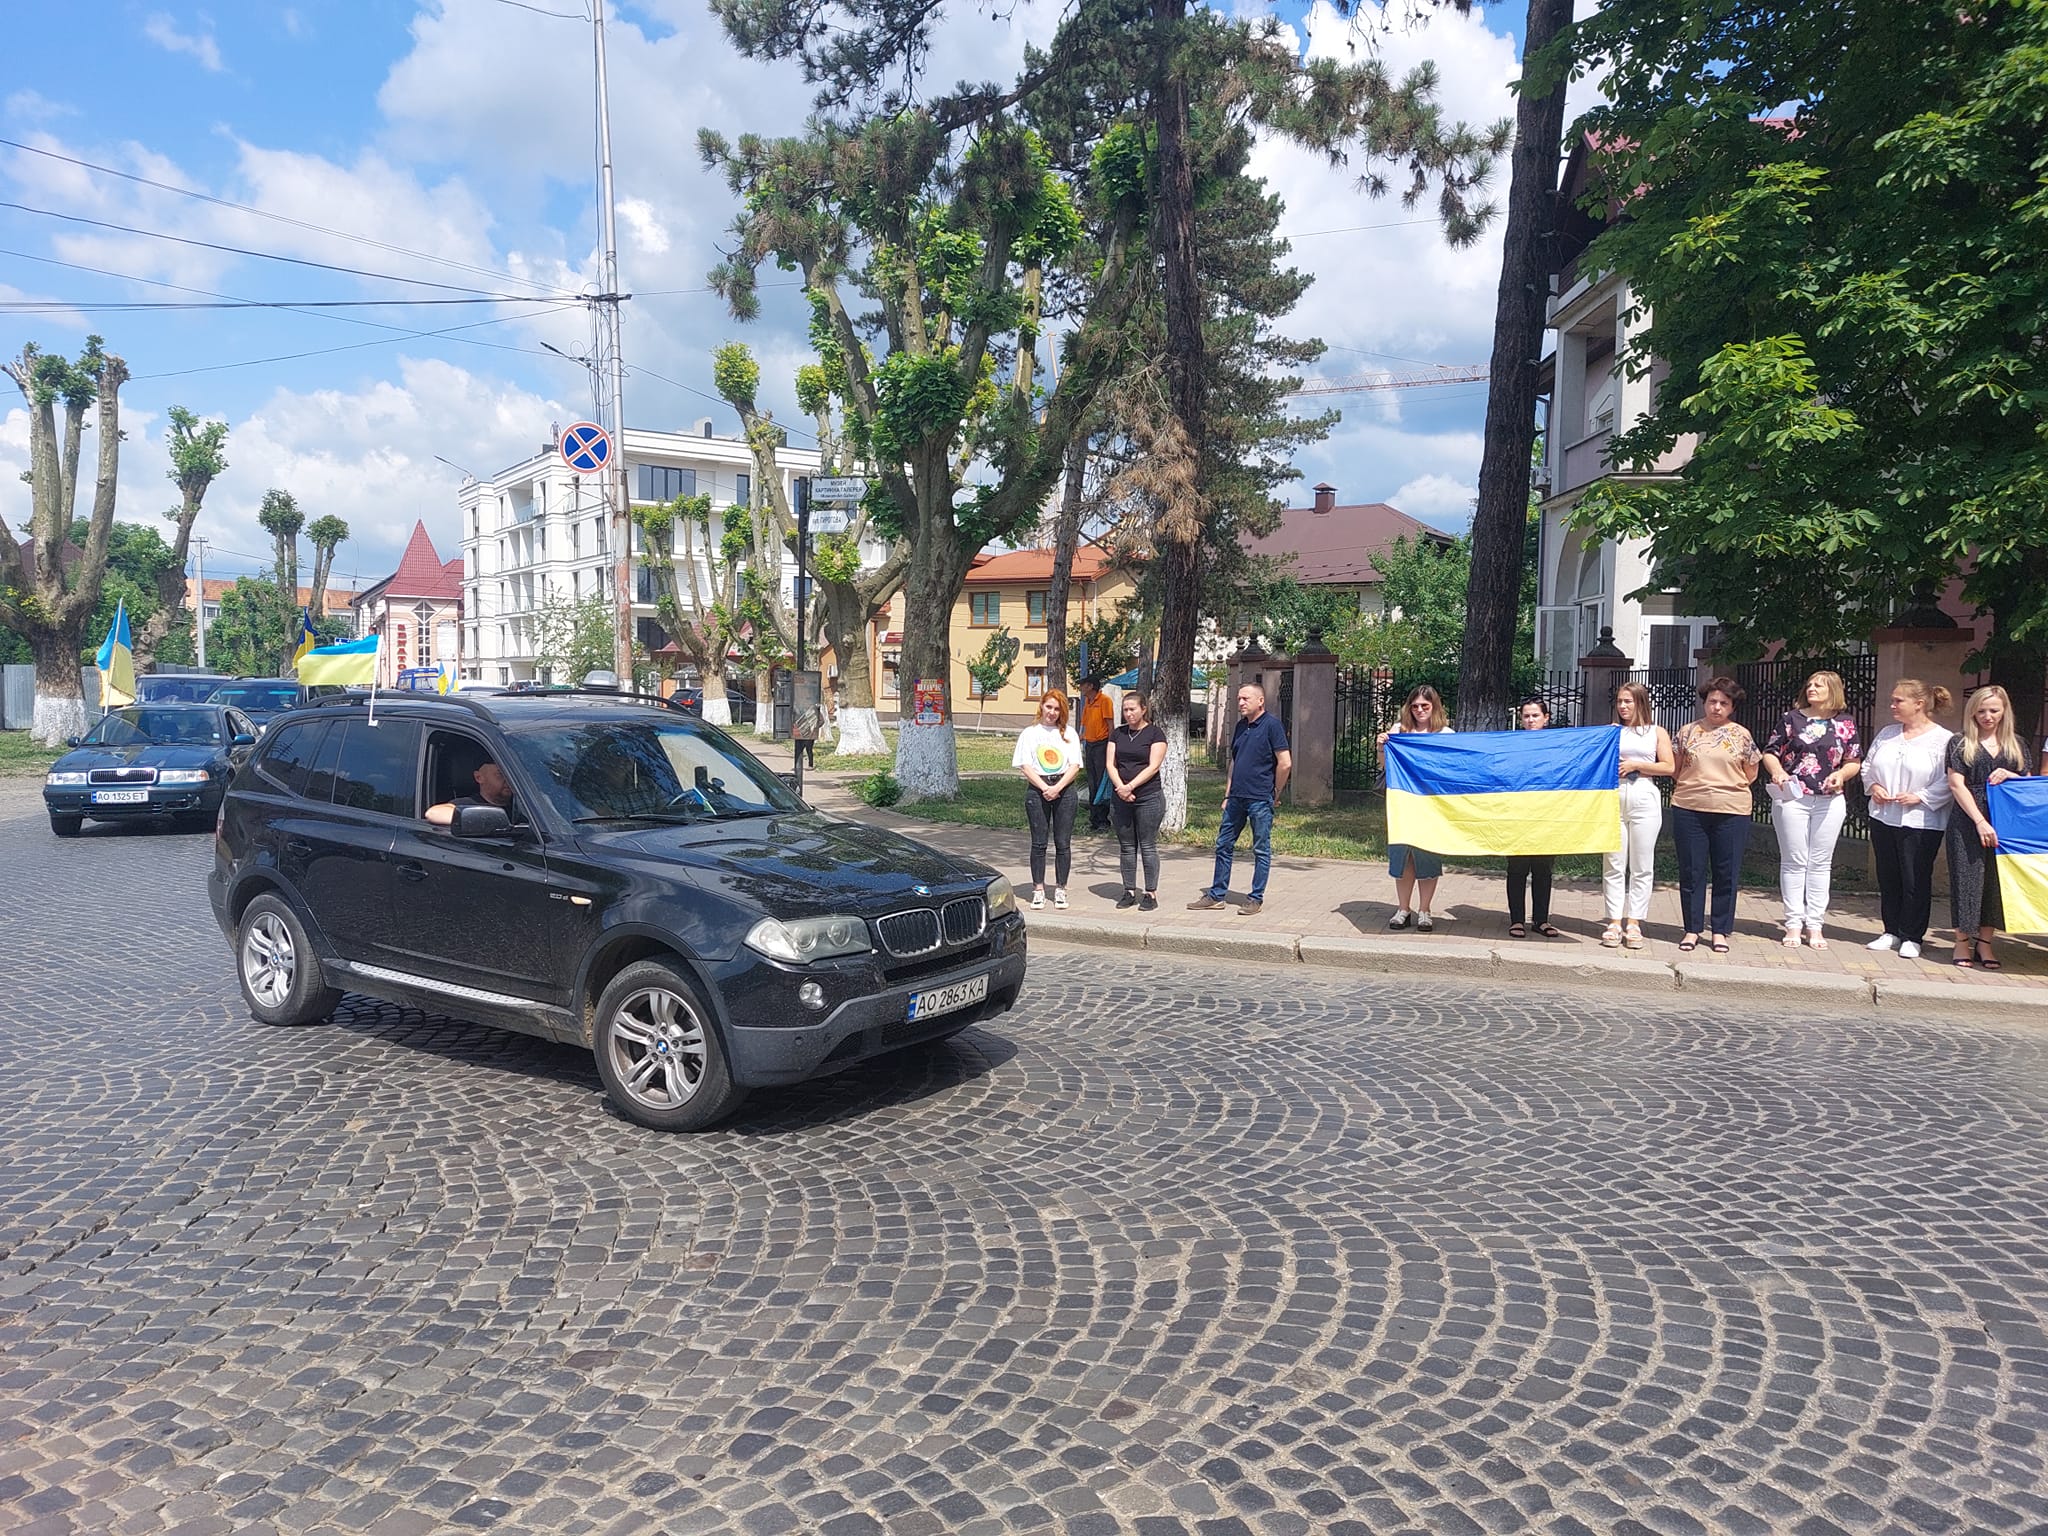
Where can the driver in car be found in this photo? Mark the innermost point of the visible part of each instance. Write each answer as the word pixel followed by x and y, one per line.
pixel 492 788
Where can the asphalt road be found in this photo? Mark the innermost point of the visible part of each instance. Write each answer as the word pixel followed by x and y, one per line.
pixel 1162 1251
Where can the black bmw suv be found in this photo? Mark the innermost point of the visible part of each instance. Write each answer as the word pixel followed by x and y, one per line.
pixel 611 873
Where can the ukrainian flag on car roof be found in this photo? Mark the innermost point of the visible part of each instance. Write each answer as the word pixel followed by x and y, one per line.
pixel 2019 815
pixel 351 664
pixel 116 661
pixel 1506 792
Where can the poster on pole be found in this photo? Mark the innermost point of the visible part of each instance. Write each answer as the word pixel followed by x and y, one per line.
pixel 928 702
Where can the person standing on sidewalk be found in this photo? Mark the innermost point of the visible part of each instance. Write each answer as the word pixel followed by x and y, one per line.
pixel 1048 755
pixel 1986 753
pixel 1255 774
pixel 1710 803
pixel 1137 751
pixel 1906 770
pixel 1415 870
pixel 1646 756
pixel 1810 758
pixel 1098 720
pixel 1530 873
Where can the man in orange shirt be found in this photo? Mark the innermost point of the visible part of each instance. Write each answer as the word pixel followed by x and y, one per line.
pixel 1098 719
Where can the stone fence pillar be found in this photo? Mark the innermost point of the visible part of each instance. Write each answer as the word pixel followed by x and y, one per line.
pixel 1314 741
pixel 1604 667
pixel 1932 655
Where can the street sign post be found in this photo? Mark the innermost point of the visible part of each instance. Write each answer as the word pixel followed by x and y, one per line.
pixel 843 489
pixel 829 520
pixel 586 448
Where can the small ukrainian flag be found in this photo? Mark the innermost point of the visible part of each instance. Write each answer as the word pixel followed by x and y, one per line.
pixel 1506 792
pixel 307 639
pixel 448 682
pixel 2019 815
pixel 352 664
pixel 116 662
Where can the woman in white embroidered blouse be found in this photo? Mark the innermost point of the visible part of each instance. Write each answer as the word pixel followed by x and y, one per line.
pixel 1906 774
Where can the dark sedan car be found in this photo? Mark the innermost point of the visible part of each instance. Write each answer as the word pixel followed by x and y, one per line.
pixel 603 871
pixel 262 699
pixel 149 760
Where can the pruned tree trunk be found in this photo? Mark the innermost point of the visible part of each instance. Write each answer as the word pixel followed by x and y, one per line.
pixel 764 702
pixel 1493 598
pixel 1066 541
pixel 927 758
pixel 846 613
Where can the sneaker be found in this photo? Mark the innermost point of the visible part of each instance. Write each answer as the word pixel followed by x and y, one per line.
pixel 1038 901
pixel 1883 941
pixel 1252 907
pixel 1204 903
pixel 1424 923
pixel 1127 900
pixel 1909 950
pixel 1059 898
pixel 1400 920
pixel 1148 903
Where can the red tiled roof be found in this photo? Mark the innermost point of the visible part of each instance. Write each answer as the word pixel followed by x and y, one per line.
pixel 1335 548
pixel 1022 565
pixel 217 586
pixel 423 573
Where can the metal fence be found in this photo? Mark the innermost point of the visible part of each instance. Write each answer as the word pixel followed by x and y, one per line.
pixel 1369 703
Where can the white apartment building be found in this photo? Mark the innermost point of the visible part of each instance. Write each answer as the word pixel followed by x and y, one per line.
pixel 1586 583
pixel 539 529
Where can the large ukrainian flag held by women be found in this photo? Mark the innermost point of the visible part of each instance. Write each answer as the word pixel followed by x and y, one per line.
pixel 1506 792
pixel 2019 815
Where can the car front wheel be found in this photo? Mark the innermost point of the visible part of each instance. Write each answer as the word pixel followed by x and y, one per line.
pixel 65 826
pixel 280 974
pixel 659 1056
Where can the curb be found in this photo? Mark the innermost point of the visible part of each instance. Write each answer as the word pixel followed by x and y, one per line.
pixel 1488 964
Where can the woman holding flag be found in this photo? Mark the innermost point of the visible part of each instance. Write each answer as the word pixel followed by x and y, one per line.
pixel 1529 874
pixel 1988 752
pixel 1415 870
pixel 1717 762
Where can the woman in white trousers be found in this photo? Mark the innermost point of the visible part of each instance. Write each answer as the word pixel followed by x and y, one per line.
pixel 1810 759
pixel 1646 756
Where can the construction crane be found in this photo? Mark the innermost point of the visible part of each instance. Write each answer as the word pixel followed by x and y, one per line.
pixel 1426 378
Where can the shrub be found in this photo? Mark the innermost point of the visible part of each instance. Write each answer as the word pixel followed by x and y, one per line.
pixel 879 788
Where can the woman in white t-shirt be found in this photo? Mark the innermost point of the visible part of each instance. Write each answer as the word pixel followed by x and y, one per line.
pixel 1906 774
pixel 1048 755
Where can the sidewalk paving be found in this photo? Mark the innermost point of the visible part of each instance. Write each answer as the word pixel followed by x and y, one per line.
pixel 1335 912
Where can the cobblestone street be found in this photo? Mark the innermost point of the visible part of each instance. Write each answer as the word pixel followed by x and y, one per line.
pixel 1163 1250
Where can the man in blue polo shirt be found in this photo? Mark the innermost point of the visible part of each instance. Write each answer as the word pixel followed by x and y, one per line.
pixel 1256 773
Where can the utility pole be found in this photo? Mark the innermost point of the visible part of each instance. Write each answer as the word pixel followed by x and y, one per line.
pixel 803 541
pixel 608 305
pixel 199 561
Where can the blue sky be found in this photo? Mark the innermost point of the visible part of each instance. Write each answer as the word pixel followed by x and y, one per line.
pixel 460 130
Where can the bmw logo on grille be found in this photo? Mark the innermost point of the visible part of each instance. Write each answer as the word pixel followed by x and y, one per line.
pixel 921 890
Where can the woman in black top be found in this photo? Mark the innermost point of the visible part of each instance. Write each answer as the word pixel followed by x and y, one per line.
pixel 1137 751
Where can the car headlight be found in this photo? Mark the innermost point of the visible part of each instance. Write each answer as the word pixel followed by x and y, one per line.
pixel 1002 897
pixel 65 778
pixel 809 938
pixel 183 776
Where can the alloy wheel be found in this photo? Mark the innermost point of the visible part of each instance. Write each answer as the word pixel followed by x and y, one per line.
pixel 656 1042
pixel 270 961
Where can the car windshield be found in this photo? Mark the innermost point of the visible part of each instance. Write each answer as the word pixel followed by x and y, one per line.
pixel 258 696
pixel 173 689
pixel 648 768
pixel 157 727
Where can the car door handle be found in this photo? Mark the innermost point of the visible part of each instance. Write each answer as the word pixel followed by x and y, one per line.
pixel 412 869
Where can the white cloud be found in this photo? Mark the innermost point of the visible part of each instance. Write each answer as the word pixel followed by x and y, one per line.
pixel 34 107
pixel 163 31
pixel 643 226
pixel 1436 499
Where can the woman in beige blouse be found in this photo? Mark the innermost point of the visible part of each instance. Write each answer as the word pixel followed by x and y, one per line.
pixel 1710 805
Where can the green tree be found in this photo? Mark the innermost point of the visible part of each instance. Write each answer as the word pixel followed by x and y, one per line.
pixel 700 582
pixel 257 627
pixel 572 638
pixel 45 598
pixel 1851 304
pixel 198 458
pixel 327 534
pixel 992 667
pixel 137 561
pixel 281 519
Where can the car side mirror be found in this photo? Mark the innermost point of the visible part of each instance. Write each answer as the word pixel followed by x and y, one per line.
pixel 72 741
pixel 481 821
pixel 244 739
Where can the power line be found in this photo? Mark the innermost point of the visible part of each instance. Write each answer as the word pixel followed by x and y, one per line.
pixel 355 346
pixel 1349 229
pixel 690 389
pixel 61 306
pixel 237 250
pixel 264 213
pixel 559 15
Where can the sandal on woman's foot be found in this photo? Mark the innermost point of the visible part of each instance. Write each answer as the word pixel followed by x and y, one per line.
pixel 1610 936
pixel 1986 958
pixel 1720 944
pixel 1688 944
pixel 1963 958
pixel 1791 939
pixel 1550 930
pixel 1517 931
pixel 1632 936
pixel 1815 939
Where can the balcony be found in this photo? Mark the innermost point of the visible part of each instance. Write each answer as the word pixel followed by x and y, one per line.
pixel 1584 462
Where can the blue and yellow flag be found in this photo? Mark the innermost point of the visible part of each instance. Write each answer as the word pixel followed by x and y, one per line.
pixel 447 681
pixel 307 639
pixel 2019 815
pixel 1506 792
pixel 116 662
pixel 352 664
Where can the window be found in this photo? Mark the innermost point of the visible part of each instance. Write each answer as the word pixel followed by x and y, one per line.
pixel 743 490
pixel 985 609
pixel 444 641
pixel 658 482
pixel 375 771
pixel 1034 609
pixel 287 761
pixel 1034 682
pixel 575 541
pixel 974 689
pixel 320 781
pixel 890 689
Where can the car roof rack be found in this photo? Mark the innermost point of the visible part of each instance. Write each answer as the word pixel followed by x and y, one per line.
pixel 353 696
pixel 529 690
pixel 480 705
